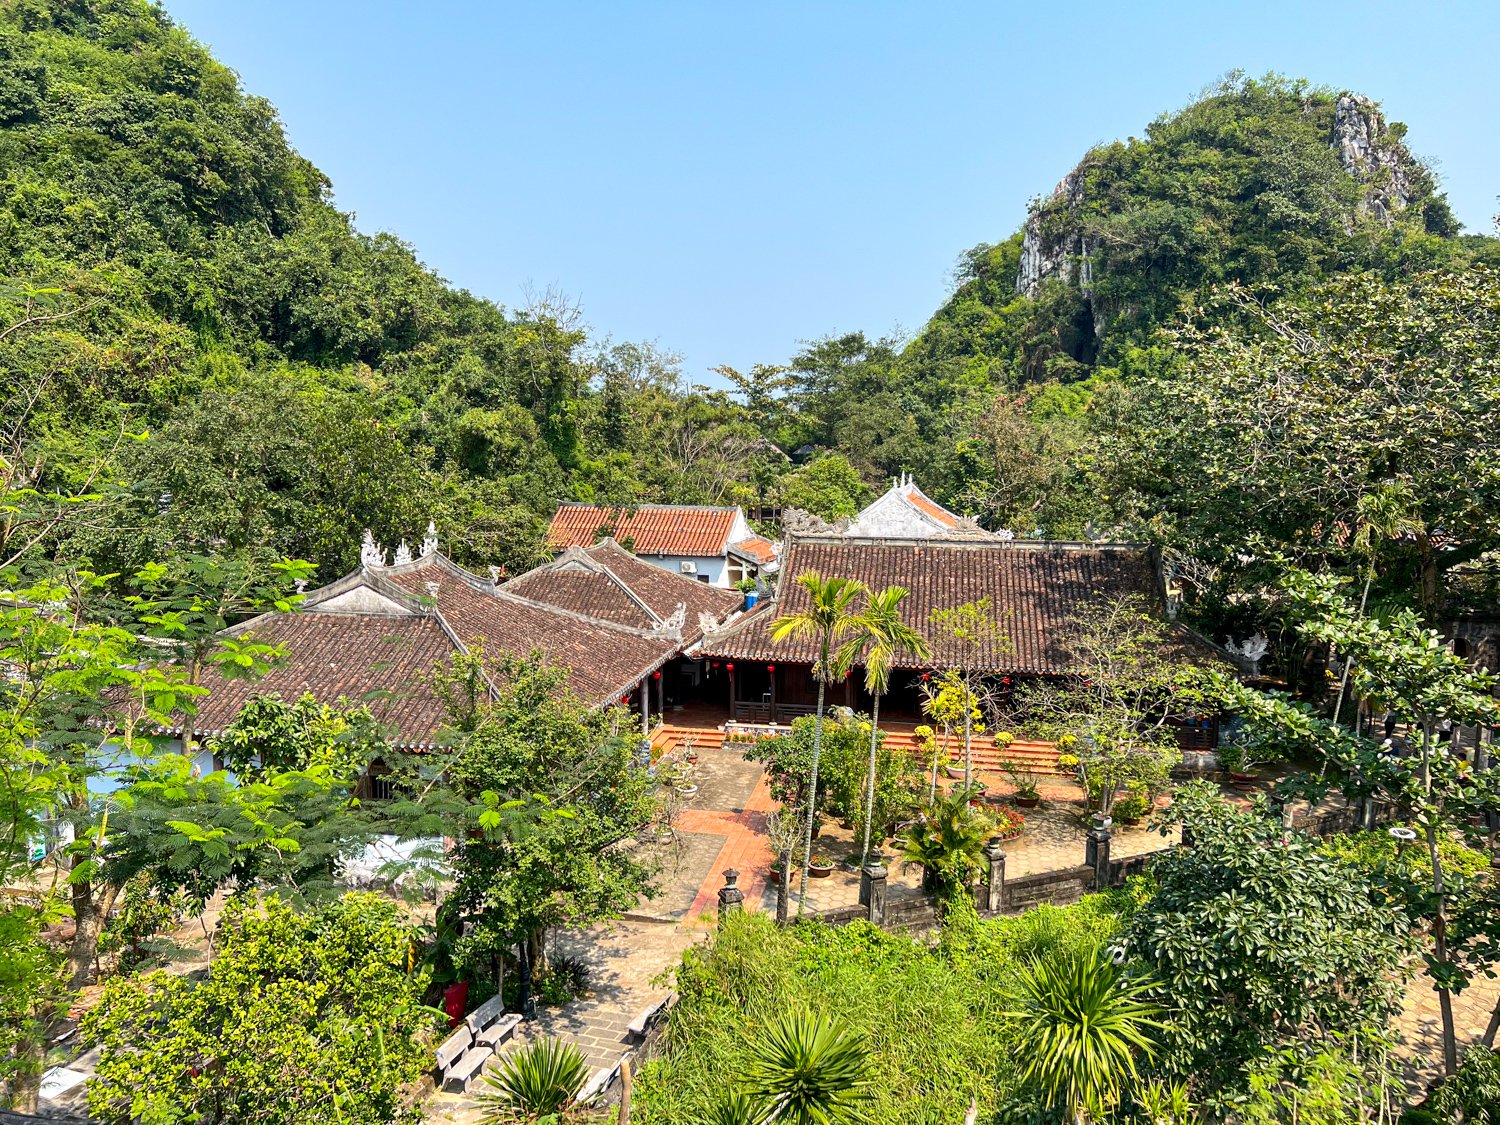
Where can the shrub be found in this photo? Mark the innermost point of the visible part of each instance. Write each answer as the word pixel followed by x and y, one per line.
pixel 301 1016
pixel 928 1021
pixel 537 1081
pixel 1471 1096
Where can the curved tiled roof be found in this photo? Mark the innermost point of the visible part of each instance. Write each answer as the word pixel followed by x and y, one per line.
pixel 663 590
pixel 592 592
pixel 603 658
pixel 1035 589
pixel 652 529
pixel 377 659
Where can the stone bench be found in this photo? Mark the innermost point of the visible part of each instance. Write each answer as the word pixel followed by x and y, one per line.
pixel 499 1031
pixel 463 1054
pixel 598 1083
pixel 637 1027
pixel 451 1049
pixel 457 1077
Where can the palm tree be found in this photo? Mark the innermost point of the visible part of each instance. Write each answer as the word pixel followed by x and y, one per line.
pixel 883 639
pixel 1087 1022
pixel 948 842
pixel 829 619
pixel 809 1070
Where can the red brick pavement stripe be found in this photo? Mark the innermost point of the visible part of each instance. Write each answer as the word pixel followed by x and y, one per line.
pixel 745 847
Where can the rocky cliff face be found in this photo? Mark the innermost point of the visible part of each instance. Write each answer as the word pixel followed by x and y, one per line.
pixel 1360 138
pixel 1369 154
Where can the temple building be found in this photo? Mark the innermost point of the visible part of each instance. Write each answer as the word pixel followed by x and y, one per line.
pixel 715 546
pixel 621 627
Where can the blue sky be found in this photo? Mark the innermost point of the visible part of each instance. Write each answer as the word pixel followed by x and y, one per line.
pixel 729 179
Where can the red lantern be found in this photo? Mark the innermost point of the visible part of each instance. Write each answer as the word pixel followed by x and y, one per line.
pixel 1006 680
pixel 926 676
pixel 656 675
pixel 770 667
pixel 730 666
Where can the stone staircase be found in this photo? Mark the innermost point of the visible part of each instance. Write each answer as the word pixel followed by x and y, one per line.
pixel 1039 757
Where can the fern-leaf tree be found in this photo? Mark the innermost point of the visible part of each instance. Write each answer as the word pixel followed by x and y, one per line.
pixel 881 640
pixel 828 620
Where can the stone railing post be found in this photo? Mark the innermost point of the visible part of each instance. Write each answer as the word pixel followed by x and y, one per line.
pixel 872 878
pixel 731 898
pixel 994 894
pixel 1096 852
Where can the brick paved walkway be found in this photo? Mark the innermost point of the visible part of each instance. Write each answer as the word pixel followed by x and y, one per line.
pixel 1420 1028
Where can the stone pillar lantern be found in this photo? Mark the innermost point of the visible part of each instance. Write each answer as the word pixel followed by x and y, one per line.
pixel 731 898
pixel 872 880
pixel 994 854
pixel 1096 851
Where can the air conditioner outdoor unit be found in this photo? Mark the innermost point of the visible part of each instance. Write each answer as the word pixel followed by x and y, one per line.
pixel 689 568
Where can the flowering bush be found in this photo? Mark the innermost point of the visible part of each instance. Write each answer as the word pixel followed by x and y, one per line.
pixel 1009 822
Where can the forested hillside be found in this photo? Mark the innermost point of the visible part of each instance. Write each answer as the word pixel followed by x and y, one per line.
pixel 193 331
pixel 176 269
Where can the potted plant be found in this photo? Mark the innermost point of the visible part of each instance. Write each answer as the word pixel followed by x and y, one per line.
pixel 1237 761
pixel 1134 805
pixel 1026 781
pixel 821 866
pixel 690 751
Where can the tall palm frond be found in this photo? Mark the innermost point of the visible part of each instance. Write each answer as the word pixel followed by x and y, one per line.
pixel 829 617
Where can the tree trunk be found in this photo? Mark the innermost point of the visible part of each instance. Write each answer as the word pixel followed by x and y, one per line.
pixel 624 1118
pixel 968 738
pixel 870 778
pixel 812 792
pixel 1429 575
pixel 1489 1032
pixel 784 888
pixel 92 903
pixel 1440 913
pixel 1364 599
pixel 537 948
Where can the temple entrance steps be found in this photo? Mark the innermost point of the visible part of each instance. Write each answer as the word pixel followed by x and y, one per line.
pixel 989 758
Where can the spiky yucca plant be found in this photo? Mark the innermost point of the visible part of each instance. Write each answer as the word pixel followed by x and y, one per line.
pixel 1084 1022
pixel 540 1079
pixel 808 1070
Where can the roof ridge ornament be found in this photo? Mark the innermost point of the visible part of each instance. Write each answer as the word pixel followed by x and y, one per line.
pixel 430 540
pixel 370 553
pixel 403 554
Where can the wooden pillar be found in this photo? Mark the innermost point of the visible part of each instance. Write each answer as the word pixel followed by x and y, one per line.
pixel 645 708
pixel 734 696
pixel 661 693
pixel 771 673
